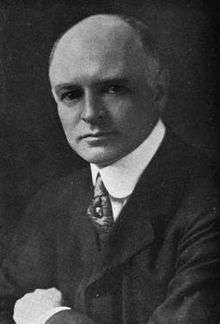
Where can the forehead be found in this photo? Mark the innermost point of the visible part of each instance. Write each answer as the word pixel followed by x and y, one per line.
pixel 97 51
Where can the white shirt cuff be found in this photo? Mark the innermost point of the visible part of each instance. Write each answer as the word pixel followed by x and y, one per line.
pixel 50 313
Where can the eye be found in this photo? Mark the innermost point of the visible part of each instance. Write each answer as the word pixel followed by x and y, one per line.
pixel 115 89
pixel 71 95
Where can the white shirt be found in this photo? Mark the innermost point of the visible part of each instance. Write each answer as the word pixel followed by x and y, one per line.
pixel 121 177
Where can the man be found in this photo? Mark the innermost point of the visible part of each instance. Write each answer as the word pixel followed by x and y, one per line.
pixel 134 237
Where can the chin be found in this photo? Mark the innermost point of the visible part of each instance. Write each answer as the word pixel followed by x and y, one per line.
pixel 101 160
pixel 101 156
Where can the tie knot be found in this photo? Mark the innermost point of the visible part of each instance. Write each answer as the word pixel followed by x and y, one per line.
pixel 99 189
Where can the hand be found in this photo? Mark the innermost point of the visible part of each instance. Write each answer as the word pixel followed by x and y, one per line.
pixel 32 306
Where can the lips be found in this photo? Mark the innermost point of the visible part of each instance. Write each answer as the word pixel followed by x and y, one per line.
pixel 97 135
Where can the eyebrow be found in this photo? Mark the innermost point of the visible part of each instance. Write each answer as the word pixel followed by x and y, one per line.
pixel 107 81
pixel 103 82
pixel 65 86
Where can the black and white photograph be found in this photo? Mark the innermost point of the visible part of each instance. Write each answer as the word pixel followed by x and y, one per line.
pixel 109 162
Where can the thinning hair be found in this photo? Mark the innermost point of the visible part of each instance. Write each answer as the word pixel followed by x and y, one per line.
pixel 147 42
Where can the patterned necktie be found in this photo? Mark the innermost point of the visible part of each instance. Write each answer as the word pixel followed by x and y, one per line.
pixel 100 211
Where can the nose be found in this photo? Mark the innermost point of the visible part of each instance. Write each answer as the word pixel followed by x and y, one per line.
pixel 92 109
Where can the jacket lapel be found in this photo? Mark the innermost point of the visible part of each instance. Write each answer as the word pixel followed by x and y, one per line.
pixel 132 232
pixel 151 203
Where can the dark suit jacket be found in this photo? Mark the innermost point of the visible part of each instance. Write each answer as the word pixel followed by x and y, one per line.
pixel 161 266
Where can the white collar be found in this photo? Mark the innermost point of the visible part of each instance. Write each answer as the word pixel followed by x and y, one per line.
pixel 121 177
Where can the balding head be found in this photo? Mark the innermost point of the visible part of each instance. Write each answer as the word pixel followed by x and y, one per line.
pixel 110 32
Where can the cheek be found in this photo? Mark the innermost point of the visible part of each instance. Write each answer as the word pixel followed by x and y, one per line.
pixel 68 116
pixel 126 116
pixel 133 121
pixel 120 111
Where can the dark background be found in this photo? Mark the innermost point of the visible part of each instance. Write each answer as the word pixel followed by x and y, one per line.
pixel 32 145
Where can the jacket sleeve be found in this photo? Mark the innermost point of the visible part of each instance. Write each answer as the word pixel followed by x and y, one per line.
pixel 69 317
pixel 193 294
pixel 30 259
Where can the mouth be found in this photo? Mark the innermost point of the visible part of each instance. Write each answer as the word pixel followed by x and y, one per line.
pixel 97 138
pixel 97 135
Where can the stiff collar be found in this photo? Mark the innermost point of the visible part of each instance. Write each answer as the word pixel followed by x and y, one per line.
pixel 121 177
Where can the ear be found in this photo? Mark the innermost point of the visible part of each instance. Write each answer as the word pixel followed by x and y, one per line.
pixel 161 89
pixel 54 95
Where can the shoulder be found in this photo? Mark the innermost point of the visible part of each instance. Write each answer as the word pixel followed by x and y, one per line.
pixel 46 210
pixel 62 187
pixel 53 199
pixel 189 163
pixel 198 205
pixel 189 179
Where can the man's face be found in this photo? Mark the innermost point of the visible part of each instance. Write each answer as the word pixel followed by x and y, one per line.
pixel 104 102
